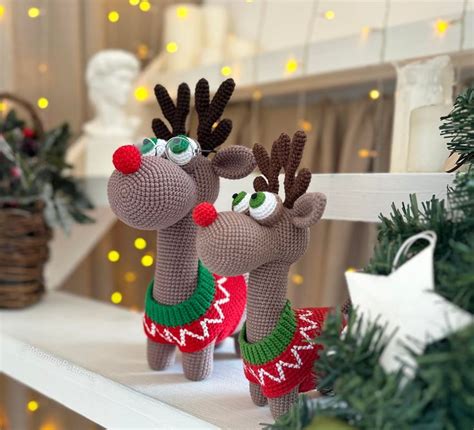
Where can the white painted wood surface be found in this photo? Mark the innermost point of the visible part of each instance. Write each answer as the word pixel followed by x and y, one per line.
pixel 351 196
pixel 90 356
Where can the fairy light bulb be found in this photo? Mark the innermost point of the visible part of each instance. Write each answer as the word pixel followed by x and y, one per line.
pixel 116 297
pixel 32 406
pixel 146 260
pixel 130 277
pixel 3 106
pixel 34 12
pixel 182 12
pixel 139 243
pixel 305 125
pixel 143 51
pixel 113 16
pixel 133 2
pixel 297 279
pixel 113 256
pixel 42 102
pixel 257 95
pixel 141 94
pixel 441 27
pixel 329 15
pixel 171 47
pixel 226 70
pixel 374 94
pixel 365 31
pixel 2 10
pixel 42 67
pixel 291 65
pixel 144 6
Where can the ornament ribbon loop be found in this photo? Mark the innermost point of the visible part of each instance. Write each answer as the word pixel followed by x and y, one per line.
pixel 428 235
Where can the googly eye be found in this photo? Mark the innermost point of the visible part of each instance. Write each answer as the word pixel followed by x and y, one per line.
pixel 240 202
pixel 182 149
pixel 152 146
pixel 262 205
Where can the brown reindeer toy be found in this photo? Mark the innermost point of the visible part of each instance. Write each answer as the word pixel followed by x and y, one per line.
pixel 264 235
pixel 155 187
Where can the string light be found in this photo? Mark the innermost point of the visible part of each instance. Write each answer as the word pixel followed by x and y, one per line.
pixel 139 243
pixel 32 405
pixel 226 70
pixel 113 16
pixel 329 15
pixel 130 277
pixel 42 67
pixel 116 297
pixel 147 260
pixel 113 256
pixel 367 153
pixel 182 12
pixel 134 309
pixel 144 6
pixel 43 102
pixel 305 125
pixel 351 269
pixel 257 95
pixel 133 2
pixel 143 51
pixel 248 1
pixel 3 106
pixel 364 32
pixel 291 65
pixel 374 94
pixel 48 426
pixel 34 12
pixel 171 47
pixel 2 10
pixel 297 279
pixel 141 94
pixel 441 27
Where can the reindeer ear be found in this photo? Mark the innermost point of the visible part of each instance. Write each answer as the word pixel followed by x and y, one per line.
pixel 308 209
pixel 235 162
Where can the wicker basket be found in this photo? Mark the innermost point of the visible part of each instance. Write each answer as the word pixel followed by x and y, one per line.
pixel 24 237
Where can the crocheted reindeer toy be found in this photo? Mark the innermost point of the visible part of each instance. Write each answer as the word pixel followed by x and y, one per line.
pixel 264 235
pixel 155 187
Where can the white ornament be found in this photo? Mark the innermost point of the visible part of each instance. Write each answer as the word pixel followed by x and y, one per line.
pixel 406 302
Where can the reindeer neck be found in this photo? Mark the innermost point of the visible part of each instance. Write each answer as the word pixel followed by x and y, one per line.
pixel 266 299
pixel 177 263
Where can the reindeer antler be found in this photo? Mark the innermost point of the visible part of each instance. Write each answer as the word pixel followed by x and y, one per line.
pixel 285 153
pixel 176 115
pixel 269 166
pixel 210 112
pixel 295 186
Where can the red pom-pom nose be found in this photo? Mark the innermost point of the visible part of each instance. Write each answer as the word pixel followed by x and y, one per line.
pixel 204 214
pixel 127 159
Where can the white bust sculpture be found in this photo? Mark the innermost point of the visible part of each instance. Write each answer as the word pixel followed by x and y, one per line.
pixel 110 76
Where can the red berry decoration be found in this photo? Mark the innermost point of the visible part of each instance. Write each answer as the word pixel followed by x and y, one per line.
pixel 28 132
pixel 127 159
pixel 204 214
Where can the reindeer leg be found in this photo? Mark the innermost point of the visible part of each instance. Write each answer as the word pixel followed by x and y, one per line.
pixel 256 394
pixel 198 365
pixel 281 405
pixel 160 355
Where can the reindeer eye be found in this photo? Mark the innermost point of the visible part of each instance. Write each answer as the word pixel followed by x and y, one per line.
pixel 152 146
pixel 262 205
pixel 182 149
pixel 240 202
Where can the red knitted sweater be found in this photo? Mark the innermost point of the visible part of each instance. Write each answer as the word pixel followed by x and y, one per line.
pixel 284 359
pixel 212 313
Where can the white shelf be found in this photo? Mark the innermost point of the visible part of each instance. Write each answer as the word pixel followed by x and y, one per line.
pixel 330 63
pixel 90 357
pixel 351 196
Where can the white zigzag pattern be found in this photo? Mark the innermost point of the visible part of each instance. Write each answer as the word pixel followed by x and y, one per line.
pixel 183 332
pixel 280 365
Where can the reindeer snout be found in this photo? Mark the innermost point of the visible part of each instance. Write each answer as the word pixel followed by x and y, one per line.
pixel 127 159
pixel 204 214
